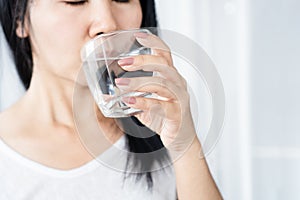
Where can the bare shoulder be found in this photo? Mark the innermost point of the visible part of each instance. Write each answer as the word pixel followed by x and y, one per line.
pixel 9 121
pixel 5 121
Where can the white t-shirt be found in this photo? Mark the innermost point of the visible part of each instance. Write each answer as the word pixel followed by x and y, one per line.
pixel 24 179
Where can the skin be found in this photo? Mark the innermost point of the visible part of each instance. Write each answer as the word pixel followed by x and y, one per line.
pixel 58 31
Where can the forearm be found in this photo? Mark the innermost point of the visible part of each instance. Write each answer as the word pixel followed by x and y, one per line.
pixel 193 178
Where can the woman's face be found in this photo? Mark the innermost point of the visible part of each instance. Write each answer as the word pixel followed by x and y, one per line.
pixel 58 29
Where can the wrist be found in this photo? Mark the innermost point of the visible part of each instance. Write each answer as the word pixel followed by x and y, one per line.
pixel 191 150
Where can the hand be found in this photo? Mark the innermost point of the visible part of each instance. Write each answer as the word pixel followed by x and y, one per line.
pixel 168 115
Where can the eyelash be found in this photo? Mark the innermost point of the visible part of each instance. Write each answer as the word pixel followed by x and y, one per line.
pixel 75 3
pixel 79 3
pixel 122 1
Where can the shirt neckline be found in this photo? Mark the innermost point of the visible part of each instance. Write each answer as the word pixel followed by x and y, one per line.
pixel 41 168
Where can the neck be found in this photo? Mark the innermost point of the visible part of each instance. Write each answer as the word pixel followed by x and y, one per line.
pixel 52 98
pixel 63 103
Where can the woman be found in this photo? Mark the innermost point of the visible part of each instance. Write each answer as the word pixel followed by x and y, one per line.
pixel 45 37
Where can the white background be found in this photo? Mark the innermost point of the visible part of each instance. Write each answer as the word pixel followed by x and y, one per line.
pixel 255 46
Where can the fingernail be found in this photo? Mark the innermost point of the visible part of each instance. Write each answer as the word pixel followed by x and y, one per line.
pixel 122 81
pixel 126 61
pixel 129 100
pixel 141 35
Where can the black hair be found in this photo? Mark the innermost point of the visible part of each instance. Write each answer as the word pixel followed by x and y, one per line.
pixel 12 11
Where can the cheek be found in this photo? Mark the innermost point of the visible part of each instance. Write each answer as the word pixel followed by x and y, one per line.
pixel 56 40
pixel 129 19
pixel 50 34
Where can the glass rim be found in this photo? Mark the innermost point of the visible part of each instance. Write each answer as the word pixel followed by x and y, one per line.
pixel 85 53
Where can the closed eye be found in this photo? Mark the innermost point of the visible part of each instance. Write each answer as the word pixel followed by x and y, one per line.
pixel 76 3
pixel 122 1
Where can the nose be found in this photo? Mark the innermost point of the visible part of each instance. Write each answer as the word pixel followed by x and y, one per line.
pixel 102 19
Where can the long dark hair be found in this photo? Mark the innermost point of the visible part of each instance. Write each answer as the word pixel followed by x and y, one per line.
pixel 12 11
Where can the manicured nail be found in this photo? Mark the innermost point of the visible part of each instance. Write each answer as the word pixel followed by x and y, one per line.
pixel 126 61
pixel 122 81
pixel 129 100
pixel 141 35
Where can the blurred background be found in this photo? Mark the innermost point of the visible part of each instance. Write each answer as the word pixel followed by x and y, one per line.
pixel 254 45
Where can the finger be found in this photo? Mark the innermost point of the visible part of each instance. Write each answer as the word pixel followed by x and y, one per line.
pixel 156 44
pixel 139 60
pixel 157 85
pixel 166 109
pixel 150 63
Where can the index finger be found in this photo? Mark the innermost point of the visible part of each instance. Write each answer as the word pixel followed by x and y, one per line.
pixel 158 46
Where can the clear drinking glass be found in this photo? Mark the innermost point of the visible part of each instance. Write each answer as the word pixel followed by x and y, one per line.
pixel 100 58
